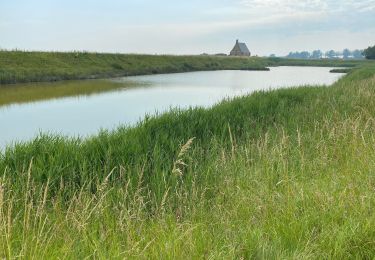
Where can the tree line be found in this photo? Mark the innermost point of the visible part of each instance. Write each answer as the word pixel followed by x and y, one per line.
pixel 331 54
pixel 368 53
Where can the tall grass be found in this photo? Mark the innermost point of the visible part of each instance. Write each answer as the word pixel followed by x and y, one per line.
pixel 277 174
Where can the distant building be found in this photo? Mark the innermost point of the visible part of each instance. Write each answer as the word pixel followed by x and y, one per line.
pixel 240 49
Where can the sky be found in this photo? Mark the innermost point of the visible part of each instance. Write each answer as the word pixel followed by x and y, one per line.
pixel 186 26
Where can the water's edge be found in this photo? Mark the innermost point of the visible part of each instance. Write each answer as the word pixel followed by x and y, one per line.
pixel 125 101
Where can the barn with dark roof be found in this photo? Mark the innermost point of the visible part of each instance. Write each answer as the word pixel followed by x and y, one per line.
pixel 240 49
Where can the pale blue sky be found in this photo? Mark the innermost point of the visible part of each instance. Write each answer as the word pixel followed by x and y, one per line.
pixel 186 26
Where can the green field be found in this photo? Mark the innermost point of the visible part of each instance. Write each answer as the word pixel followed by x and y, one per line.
pixel 22 67
pixel 278 174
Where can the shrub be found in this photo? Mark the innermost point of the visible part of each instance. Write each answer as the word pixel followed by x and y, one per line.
pixel 370 53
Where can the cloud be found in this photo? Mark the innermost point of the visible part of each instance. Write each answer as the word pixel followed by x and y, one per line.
pixel 290 6
pixel 198 28
pixel 284 5
pixel 194 26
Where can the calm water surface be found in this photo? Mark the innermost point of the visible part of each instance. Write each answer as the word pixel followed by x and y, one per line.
pixel 130 98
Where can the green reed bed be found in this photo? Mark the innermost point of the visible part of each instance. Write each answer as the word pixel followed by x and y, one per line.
pixel 279 174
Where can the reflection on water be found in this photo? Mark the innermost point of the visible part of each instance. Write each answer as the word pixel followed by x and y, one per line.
pixel 83 107
pixel 33 92
pixel 25 93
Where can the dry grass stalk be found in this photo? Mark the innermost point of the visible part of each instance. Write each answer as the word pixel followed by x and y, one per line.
pixel 179 163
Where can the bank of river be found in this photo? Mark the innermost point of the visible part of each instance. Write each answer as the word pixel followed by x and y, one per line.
pixel 83 108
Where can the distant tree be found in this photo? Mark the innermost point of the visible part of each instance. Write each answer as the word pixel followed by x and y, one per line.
pixel 346 53
pixel 317 54
pixel 331 54
pixel 338 54
pixel 305 55
pixel 370 53
pixel 299 55
pixel 357 54
pixel 272 56
pixel 293 55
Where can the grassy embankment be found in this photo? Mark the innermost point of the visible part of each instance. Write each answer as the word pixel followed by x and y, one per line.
pixel 287 173
pixel 22 67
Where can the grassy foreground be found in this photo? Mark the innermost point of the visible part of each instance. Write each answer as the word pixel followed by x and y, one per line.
pixel 22 67
pixel 282 174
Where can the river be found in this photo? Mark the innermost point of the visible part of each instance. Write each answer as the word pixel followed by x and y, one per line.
pixel 82 108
